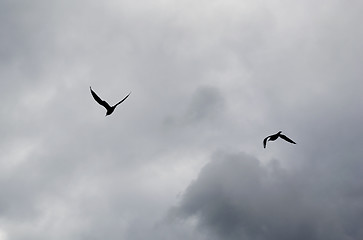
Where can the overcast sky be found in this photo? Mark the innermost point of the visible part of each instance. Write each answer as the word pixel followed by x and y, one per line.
pixel 182 157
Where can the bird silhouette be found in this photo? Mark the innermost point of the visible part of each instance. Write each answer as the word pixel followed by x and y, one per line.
pixel 109 108
pixel 276 136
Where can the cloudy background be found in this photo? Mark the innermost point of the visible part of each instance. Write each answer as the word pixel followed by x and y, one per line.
pixel 182 157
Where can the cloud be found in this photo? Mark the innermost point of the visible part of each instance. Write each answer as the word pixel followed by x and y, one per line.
pixel 220 75
pixel 205 105
pixel 236 197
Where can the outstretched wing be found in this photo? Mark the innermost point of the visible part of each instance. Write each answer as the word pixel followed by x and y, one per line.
pixel 99 100
pixel 287 139
pixel 265 141
pixel 122 99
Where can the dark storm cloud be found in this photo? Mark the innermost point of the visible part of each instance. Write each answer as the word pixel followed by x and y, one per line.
pixel 235 197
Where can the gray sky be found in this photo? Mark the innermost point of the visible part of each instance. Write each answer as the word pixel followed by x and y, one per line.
pixel 182 157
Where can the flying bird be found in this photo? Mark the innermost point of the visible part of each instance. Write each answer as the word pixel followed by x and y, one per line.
pixel 276 136
pixel 109 108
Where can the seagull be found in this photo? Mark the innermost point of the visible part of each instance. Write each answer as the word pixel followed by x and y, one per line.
pixel 109 108
pixel 276 136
